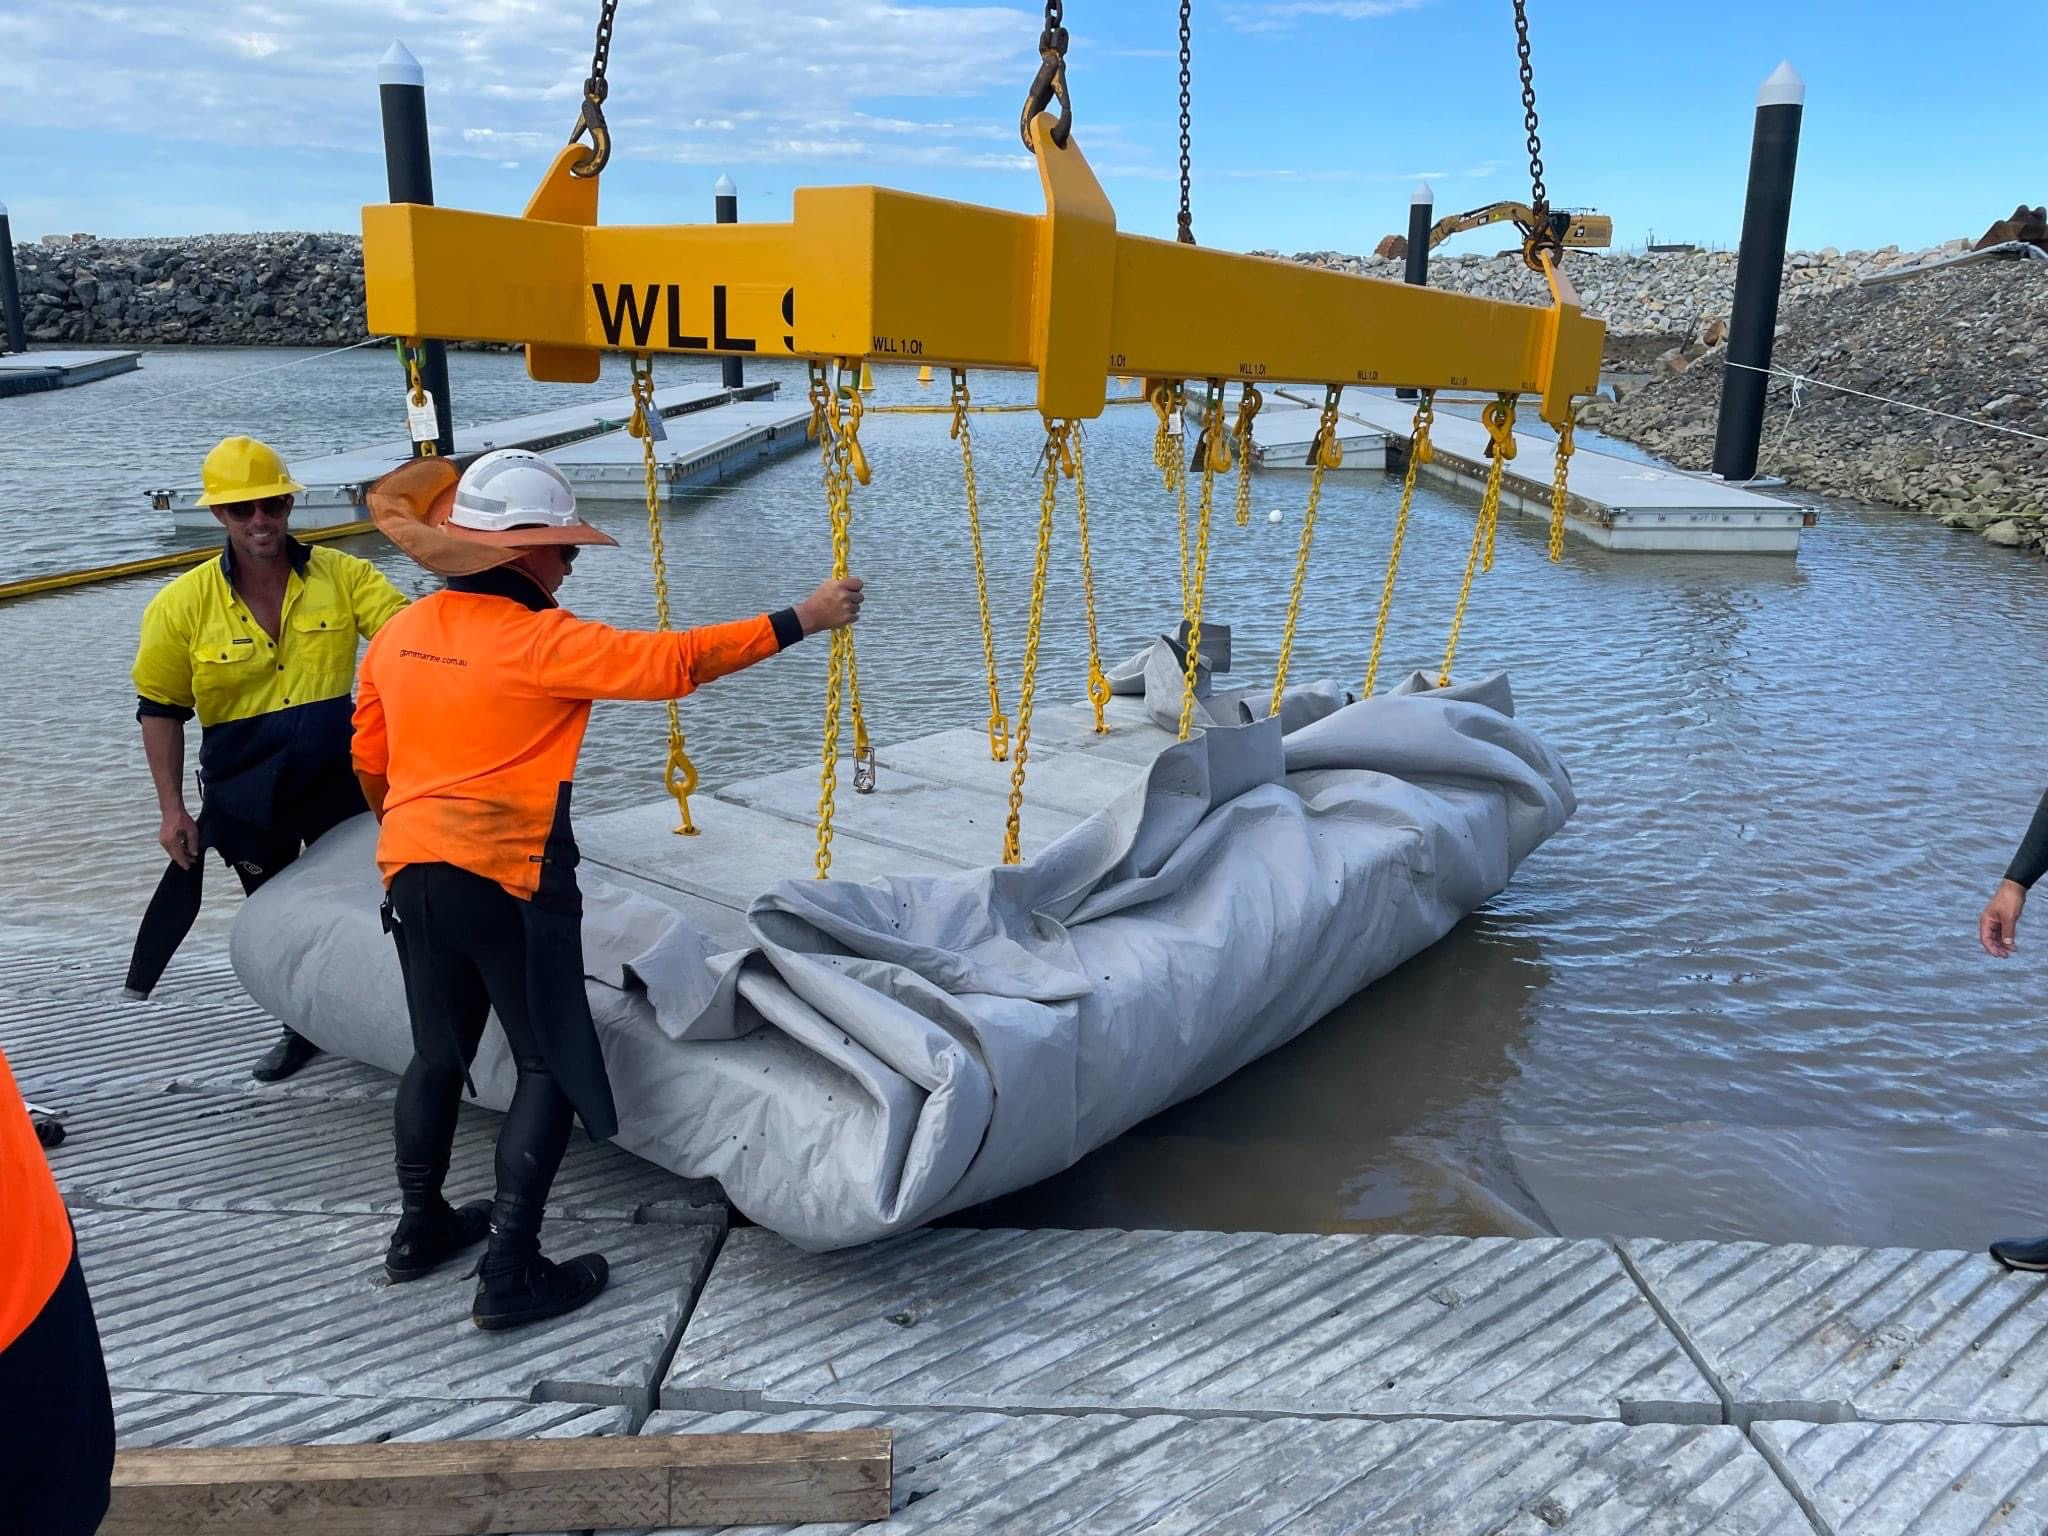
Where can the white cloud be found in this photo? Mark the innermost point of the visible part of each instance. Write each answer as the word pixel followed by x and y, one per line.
pixel 1281 15
pixel 691 80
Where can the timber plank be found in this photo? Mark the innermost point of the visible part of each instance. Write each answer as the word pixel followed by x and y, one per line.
pixel 463 1488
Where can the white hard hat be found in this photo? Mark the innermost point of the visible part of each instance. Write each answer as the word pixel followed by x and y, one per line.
pixel 513 488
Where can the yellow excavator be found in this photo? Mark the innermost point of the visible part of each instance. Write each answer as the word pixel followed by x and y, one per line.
pixel 1565 227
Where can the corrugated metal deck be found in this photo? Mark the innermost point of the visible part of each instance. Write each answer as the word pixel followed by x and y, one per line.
pixel 1832 1334
pixel 1186 1322
pixel 200 1301
pixel 1061 1475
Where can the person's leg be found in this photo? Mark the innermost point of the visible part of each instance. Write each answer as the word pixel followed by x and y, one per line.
pixel 173 908
pixel 516 1284
pixel 56 1419
pixel 257 854
pixel 445 997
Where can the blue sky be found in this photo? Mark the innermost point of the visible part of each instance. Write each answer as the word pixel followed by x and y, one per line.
pixel 1313 118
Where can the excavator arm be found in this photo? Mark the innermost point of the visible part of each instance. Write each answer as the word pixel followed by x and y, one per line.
pixel 1572 229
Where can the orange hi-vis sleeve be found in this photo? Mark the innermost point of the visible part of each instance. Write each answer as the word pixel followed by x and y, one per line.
pixel 472 706
pixel 35 1232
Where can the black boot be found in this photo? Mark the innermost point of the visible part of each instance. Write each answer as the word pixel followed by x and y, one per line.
pixel 2027 1253
pixel 516 1285
pixel 292 1051
pixel 430 1231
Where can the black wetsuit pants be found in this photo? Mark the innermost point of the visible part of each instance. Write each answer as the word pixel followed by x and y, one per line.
pixel 463 945
pixel 56 1419
pixel 253 852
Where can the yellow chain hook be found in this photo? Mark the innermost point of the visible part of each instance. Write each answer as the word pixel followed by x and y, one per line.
pixel 679 776
pixel 1500 430
pixel 1420 452
pixel 1248 402
pixel 1055 435
pixel 1212 428
pixel 1325 453
pixel 1098 681
pixel 998 722
pixel 1560 493
pixel 1500 421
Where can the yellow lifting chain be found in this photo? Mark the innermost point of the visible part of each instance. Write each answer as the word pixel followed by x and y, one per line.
pixel 1168 401
pixel 1248 402
pixel 1058 457
pixel 680 774
pixel 1212 454
pixel 1420 452
pixel 1324 452
pixel 1098 682
pixel 835 421
pixel 998 723
pixel 1559 493
pixel 1500 428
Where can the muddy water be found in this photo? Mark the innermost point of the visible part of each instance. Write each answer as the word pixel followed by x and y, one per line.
pixel 1737 996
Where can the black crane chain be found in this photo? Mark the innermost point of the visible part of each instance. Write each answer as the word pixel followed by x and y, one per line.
pixel 1187 218
pixel 595 88
pixel 1051 80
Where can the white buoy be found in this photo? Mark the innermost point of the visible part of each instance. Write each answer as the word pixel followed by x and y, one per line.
pixel 1273 516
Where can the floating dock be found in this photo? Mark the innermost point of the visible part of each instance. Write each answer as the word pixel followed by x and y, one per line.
pixel 335 483
pixel 31 373
pixel 1113 1381
pixel 1616 503
pixel 1125 1381
pixel 701 447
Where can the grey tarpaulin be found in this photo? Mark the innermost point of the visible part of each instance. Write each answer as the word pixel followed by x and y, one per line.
pixel 885 1053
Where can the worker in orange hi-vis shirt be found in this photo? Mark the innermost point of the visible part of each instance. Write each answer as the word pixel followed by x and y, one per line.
pixel 56 1415
pixel 470 713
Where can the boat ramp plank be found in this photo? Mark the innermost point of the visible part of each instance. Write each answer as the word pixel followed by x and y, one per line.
pixel 200 1301
pixel 1109 1473
pixel 1187 1322
pixel 149 1150
pixel 1913 1479
pixel 1837 1333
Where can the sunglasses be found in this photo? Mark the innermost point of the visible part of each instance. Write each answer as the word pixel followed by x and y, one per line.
pixel 278 507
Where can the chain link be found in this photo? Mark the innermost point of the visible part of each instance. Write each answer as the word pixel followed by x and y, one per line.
pixel 839 446
pixel 1212 429
pixel 590 119
pixel 1500 430
pixel 1055 451
pixel 1500 425
pixel 1187 218
pixel 1420 452
pixel 998 723
pixel 1248 402
pixel 1098 681
pixel 1324 452
pixel 1050 82
pixel 1539 195
pixel 1559 490
pixel 680 774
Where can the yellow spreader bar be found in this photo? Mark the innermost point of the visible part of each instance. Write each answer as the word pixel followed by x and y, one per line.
pixel 863 272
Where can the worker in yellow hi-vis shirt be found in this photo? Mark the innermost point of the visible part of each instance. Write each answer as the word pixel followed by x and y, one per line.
pixel 261 645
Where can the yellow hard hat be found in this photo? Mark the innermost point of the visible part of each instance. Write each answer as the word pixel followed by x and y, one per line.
pixel 242 469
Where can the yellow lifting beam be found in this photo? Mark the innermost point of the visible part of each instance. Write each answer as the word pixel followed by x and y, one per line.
pixel 867 273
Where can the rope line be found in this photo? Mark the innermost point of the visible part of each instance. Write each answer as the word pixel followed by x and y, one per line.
pixel 1800 380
